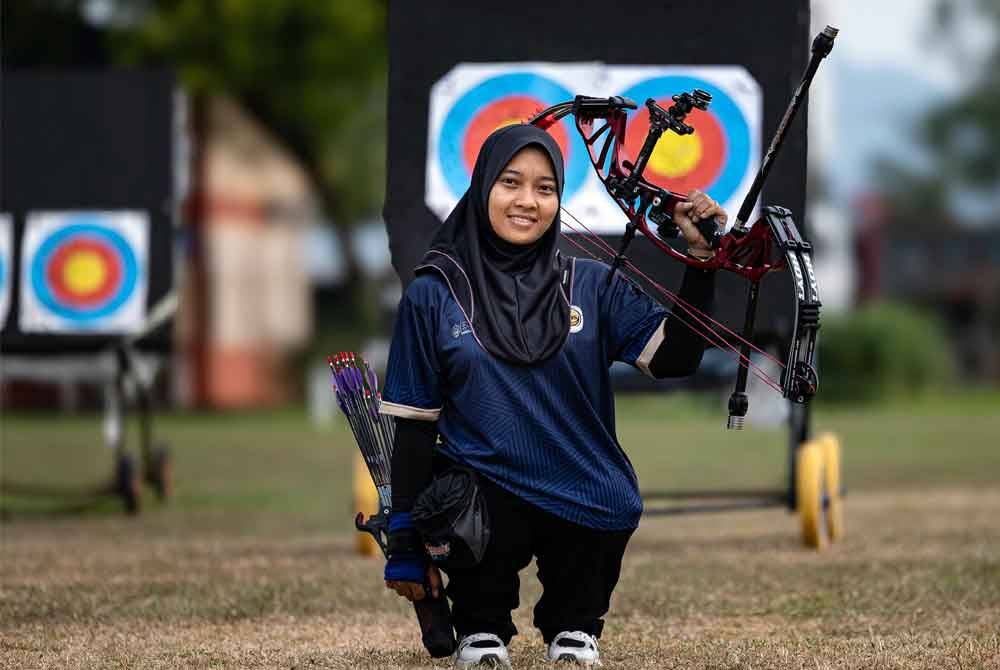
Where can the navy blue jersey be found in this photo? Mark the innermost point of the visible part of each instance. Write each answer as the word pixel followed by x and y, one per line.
pixel 545 432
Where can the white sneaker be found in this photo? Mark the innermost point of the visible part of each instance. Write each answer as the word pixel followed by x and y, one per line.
pixel 575 646
pixel 482 650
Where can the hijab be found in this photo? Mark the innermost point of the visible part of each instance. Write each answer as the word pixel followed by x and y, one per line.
pixel 510 293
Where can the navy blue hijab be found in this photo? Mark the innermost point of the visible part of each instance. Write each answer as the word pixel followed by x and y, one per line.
pixel 511 293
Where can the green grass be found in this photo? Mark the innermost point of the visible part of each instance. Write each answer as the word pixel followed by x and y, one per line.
pixel 274 464
pixel 241 466
pixel 946 439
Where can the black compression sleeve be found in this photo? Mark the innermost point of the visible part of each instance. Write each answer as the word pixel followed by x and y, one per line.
pixel 679 355
pixel 412 454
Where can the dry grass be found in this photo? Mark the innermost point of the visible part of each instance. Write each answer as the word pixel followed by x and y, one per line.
pixel 916 584
pixel 251 566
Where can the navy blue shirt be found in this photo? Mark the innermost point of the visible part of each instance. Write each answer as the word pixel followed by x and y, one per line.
pixel 546 433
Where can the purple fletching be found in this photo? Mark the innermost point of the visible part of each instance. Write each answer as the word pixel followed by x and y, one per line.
pixel 359 382
pixel 343 405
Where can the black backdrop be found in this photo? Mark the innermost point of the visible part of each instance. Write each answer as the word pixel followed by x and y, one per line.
pixel 426 39
pixel 88 140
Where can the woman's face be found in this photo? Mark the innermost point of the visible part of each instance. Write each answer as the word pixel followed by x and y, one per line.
pixel 525 198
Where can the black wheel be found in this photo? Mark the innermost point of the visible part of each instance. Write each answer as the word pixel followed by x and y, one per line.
pixel 127 483
pixel 160 474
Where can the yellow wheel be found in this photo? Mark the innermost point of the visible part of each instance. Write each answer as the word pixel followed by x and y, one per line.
pixel 831 488
pixel 365 500
pixel 809 493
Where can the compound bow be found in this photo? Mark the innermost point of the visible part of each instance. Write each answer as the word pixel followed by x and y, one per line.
pixel 752 251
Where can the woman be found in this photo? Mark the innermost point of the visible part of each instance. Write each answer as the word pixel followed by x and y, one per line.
pixel 502 348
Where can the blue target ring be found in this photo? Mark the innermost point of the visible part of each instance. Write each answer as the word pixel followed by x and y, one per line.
pixel 87 227
pixel 734 124
pixel 463 112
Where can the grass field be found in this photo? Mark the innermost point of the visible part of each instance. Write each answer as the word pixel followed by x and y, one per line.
pixel 252 566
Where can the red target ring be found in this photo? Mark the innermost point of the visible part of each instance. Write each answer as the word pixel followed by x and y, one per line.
pixel 84 273
pixel 710 141
pixel 504 112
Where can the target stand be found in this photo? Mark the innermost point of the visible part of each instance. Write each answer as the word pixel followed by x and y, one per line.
pixel 127 377
pixel 813 488
pixel 93 173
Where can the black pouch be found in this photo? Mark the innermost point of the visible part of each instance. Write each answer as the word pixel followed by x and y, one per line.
pixel 452 519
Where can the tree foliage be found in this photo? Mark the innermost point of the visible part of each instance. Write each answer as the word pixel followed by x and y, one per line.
pixel 965 132
pixel 314 72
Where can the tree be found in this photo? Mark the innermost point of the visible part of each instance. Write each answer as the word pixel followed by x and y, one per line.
pixel 314 72
pixel 962 135
pixel 965 133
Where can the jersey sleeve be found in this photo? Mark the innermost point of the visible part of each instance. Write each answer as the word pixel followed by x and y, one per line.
pixel 412 388
pixel 635 323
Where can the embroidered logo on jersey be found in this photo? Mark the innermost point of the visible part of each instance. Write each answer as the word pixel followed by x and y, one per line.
pixel 438 552
pixel 460 328
pixel 575 319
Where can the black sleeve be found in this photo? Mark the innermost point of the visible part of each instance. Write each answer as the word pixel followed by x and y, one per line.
pixel 680 352
pixel 412 454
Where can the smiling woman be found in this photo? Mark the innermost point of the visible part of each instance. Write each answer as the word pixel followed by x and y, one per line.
pixel 502 347
pixel 524 200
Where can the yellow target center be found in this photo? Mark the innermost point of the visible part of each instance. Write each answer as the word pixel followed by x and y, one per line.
pixel 507 122
pixel 676 155
pixel 84 272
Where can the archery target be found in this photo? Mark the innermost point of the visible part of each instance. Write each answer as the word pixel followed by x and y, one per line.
pixel 474 100
pixel 715 159
pixel 6 265
pixel 720 158
pixel 84 272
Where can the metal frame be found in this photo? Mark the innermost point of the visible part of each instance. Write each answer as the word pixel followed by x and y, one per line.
pixel 731 500
pixel 120 370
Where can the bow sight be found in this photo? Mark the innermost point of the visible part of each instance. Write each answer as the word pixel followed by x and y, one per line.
pixel 752 251
pixel 655 203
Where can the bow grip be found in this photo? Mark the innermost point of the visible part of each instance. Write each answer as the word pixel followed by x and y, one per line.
pixel 709 229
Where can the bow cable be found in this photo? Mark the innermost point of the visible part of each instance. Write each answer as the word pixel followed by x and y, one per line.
pixel 706 332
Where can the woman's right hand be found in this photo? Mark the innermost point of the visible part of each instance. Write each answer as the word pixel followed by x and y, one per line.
pixel 407 588
pixel 688 213
pixel 409 568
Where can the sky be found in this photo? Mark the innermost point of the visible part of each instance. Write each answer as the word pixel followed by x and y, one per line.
pixel 898 33
pixel 885 73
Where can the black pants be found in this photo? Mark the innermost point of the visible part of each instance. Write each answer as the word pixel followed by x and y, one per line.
pixel 578 568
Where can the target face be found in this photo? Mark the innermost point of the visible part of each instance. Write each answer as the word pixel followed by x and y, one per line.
pixel 466 119
pixel 720 158
pixel 84 272
pixel 714 159
pixel 6 264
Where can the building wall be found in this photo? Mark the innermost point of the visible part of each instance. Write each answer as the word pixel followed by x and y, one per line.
pixel 248 297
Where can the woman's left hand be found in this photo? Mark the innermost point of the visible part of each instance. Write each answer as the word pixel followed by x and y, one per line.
pixel 697 207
